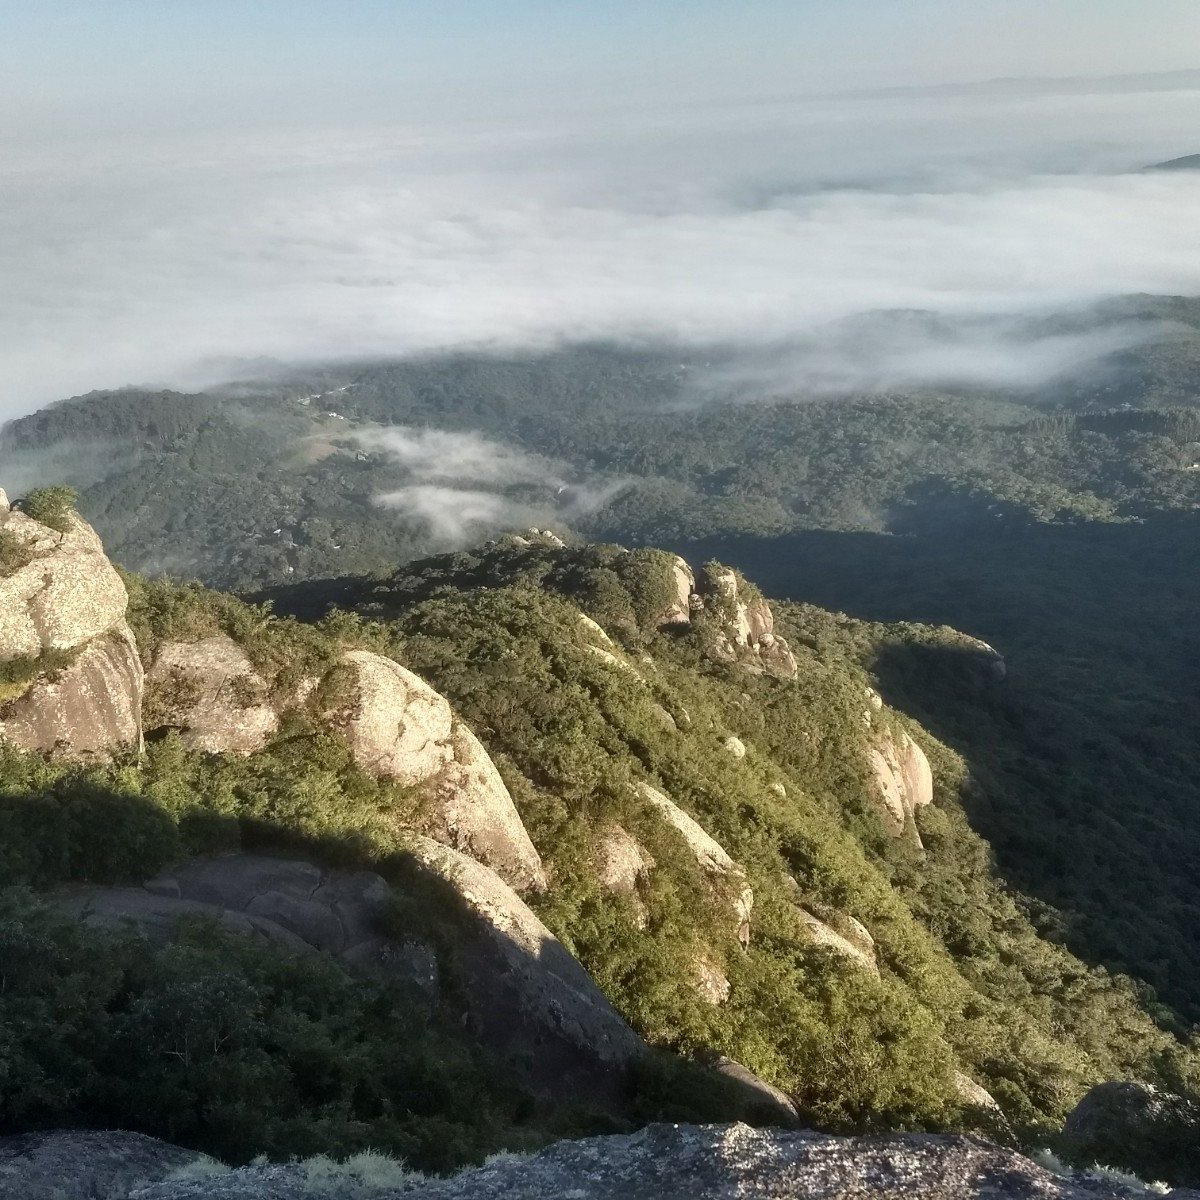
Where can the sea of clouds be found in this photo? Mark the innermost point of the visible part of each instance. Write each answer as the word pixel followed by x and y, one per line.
pixel 146 260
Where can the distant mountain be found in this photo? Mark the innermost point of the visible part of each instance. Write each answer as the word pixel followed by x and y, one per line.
pixel 1190 162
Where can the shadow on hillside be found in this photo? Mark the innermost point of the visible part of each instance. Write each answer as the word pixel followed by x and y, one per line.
pixel 559 1059
pixel 1084 755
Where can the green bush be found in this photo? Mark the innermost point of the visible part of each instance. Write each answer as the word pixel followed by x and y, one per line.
pixel 52 506
pixel 14 553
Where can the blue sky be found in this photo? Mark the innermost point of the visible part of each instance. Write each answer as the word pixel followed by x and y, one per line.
pixel 213 54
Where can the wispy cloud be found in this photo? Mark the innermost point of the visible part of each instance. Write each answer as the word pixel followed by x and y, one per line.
pixel 464 485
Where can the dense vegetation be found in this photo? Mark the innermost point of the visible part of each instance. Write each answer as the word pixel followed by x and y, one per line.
pixel 966 970
pixel 279 479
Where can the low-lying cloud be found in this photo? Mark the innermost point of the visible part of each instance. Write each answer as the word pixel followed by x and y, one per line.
pixel 463 485
pixel 759 225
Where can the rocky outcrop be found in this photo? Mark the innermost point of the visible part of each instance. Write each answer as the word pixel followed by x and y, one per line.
pixel 210 692
pixel 399 728
pixel 523 995
pixel 745 632
pixel 742 629
pixel 679 611
pixel 66 594
pixel 621 863
pixel 526 996
pixel 293 904
pixel 82 1164
pixel 774 1105
pixel 77 691
pixel 993 660
pixel 85 710
pixel 1139 1127
pixel 860 950
pixel 706 1162
pixel 710 855
pixel 903 781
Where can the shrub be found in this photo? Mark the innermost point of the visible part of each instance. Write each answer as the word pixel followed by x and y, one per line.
pixel 52 506
pixel 14 553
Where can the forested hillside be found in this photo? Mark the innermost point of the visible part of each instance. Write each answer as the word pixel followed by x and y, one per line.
pixel 748 850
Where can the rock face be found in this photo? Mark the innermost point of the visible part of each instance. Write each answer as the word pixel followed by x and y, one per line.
pixel 526 996
pixel 621 862
pixel 777 1106
pixel 291 903
pixel 68 593
pixel 708 1162
pixel 89 708
pixel 399 728
pixel 710 855
pixel 210 691
pixel 1139 1127
pixel 747 631
pixel 67 602
pixel 679 611
pixel 79 1164
pixel 903 780
pixel 859 950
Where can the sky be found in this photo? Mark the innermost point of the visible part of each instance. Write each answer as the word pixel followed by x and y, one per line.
pixel 182 184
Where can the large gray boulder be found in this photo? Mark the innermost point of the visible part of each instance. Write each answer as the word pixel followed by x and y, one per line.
pixel 1139 1127
pixel 526 996
pixel 210 692
pixel 81 1164
pixel 66 594
pixel 707 1162
pixel 523 994
pixel 293 904
pixel 399 728
pixel 903 781
pixel 86 710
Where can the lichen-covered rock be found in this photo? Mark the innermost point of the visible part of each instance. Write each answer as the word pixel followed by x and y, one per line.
pixel 1139 1127
pixel 709 981
pixel 774 1104
pixel 526 997
pixel 903 780
pixel 399 728
pixel 297 905
pixel 710 855
pixel 210 692
pixel 822 934
pixel 66 595
pixel 84 1164
pixel 474 813
pixel 86 710
pixel 735 746
pixel 745 633
pixel 659 1162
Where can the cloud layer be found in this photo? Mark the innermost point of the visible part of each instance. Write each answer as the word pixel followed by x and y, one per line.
pixel 464 485
pixel 757 224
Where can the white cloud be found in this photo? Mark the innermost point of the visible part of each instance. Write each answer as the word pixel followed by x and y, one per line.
pixel 465 486
pixel 760 224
